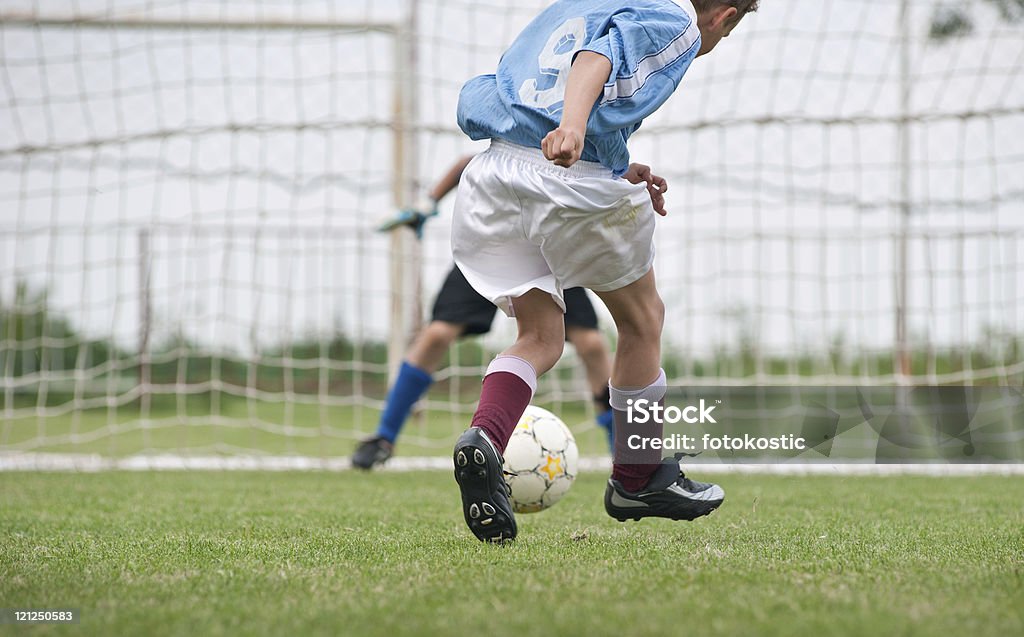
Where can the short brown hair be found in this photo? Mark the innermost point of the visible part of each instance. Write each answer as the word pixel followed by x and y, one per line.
pixel 743 7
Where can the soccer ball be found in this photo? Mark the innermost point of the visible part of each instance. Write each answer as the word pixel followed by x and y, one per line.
pixel 540 461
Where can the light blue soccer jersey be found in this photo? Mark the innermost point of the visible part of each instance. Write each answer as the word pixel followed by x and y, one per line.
pixel 650 43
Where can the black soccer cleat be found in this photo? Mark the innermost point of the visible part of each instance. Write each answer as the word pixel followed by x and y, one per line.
pixel 372 452
pixel 485 503
pixel 669 494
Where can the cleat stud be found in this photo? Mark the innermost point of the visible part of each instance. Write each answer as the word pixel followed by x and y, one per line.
pixel 474 511
pixel 487 521
pixel 461 459
pixel 478 457
pixel 488 509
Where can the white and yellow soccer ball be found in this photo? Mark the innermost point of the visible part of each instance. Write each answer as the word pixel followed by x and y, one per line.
pixel 540 461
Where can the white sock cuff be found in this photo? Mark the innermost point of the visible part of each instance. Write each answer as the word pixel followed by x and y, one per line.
pixel 515 365
pixel 653 393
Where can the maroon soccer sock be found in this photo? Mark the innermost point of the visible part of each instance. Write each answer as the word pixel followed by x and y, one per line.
pixel 634 468
pixel 507 390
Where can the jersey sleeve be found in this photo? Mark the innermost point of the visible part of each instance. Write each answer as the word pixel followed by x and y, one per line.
pixel 650 51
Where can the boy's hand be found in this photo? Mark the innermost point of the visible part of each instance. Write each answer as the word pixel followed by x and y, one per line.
pixel 563 146
pixel 587 77
pixel 414 218
pixel 656 186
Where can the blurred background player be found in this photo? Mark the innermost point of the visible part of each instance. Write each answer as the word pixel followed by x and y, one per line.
pixel 460 312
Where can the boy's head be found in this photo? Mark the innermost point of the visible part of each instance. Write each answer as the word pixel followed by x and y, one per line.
pixel 717 18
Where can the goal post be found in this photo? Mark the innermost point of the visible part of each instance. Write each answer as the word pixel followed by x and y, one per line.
pixel 190 190
pixel 375 170
pixel 406 256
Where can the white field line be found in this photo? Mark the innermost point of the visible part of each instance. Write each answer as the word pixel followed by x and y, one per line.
pixel 172 462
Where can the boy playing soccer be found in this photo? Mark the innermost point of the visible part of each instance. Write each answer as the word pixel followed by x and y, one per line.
pixel 555 203
pixel 459 312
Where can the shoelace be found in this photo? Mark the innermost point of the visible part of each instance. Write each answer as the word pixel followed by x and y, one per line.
pixel 508 488
pixel 682 480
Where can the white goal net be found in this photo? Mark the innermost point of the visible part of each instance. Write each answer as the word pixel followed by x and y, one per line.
pixel 189 192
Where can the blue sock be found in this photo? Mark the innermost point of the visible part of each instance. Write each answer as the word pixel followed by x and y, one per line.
pixel 606 422
pixel 411 384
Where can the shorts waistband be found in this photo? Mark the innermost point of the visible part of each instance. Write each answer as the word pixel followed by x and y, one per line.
pixel 535 157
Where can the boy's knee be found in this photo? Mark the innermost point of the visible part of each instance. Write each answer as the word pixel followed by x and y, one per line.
pixel 656 316
pixel 547 338
pixel 441 334
pixel 552 340
pixel 588 342
pixel 645 320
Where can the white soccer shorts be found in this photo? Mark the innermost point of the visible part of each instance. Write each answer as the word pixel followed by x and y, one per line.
pixel 522 223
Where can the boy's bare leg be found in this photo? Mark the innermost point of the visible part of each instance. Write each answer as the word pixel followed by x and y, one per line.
pixel 593 351
pixel 641 485
pixel 508 387
pixel 541 330
pixel 639 315
pixel 592 348
pixel 432 344
pixel 413 380
pixel 511 377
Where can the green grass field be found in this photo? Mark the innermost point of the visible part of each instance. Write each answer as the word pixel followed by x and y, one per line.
pixel 387 554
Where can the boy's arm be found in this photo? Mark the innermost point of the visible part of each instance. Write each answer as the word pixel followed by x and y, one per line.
pixel 587 78
pixel 418 215
pixel 656 186
pixel 564 145
pixel 450 180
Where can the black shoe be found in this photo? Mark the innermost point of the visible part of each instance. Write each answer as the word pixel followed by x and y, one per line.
pixel 372 452
pixel 485 503
pixel 669 494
